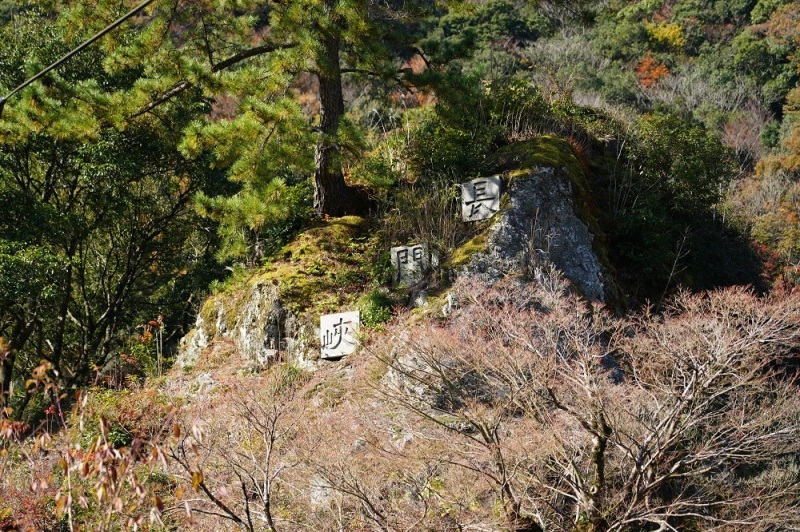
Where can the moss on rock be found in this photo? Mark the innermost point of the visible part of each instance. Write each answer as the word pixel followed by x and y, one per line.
pixel 545 151
pixel 324 269
pixel 462 255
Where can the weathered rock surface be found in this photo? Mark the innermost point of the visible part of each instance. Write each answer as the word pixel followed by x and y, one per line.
pixel 540 225
pixel 256 321
pixel 271 314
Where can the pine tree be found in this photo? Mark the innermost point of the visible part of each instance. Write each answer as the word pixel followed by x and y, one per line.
pixel 97 224
pixel 256 57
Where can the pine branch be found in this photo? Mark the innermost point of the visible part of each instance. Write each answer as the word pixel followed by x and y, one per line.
pixel 251 52
pixel 183 85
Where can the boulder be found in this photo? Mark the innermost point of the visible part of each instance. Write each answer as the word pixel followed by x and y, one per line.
pixel 269 313
pixel 539 225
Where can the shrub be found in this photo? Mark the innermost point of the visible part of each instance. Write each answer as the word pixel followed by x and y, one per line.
pixel 676 171
pixel 376 308
pixel 650 71
pixel 426 214
pixel 562 416
pixel 666 35
pixel 451 140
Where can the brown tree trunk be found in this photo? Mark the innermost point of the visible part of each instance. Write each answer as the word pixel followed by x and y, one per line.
pixel 602 431
pixel 18 338
pixel 330 191
pixel 6 373
pixel 63 310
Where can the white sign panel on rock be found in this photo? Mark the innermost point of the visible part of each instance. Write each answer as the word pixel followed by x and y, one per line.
pixel 337 334
pixel 410 263
pixel 480 198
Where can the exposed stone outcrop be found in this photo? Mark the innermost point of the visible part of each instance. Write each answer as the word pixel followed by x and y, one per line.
pixel 256 321
pixel 270 314
pixel 545 221
pixel 540 225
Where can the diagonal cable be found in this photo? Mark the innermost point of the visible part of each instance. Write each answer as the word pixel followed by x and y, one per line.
pixel 77 50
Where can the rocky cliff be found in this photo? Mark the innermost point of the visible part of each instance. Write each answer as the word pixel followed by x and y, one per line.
pixel 273 313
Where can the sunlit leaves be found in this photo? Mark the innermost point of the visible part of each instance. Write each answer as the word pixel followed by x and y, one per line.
pixel 28 271
pixel 669 35
pixel 263 138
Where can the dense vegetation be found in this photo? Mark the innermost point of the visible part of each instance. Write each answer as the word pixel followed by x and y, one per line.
pixel 201 137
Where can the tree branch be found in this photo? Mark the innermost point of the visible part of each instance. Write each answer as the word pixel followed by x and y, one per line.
pixel 186 84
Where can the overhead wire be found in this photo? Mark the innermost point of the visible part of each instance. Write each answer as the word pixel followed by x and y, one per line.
pixel 75 51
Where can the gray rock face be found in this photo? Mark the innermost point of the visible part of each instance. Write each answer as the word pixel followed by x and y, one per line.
pixel 259 326
pixel 259 329
pixel 540 226
pixel 538 229
pixel 192 345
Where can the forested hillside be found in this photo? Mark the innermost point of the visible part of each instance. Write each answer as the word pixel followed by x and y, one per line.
pixel 183 199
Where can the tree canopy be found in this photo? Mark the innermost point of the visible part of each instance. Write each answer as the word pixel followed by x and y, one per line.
pixel 96 219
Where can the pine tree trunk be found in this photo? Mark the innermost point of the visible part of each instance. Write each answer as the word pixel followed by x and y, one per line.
pixel 330 191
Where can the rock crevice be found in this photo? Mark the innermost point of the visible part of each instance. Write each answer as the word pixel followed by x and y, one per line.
pixel 257 322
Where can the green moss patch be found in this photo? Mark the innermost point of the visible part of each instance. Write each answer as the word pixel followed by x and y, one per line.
pixel 545 151
pixel 324 269
pixel 464 253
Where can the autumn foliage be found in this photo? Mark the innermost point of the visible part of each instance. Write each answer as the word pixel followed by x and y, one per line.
pixel 523 409
pixel 651 71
